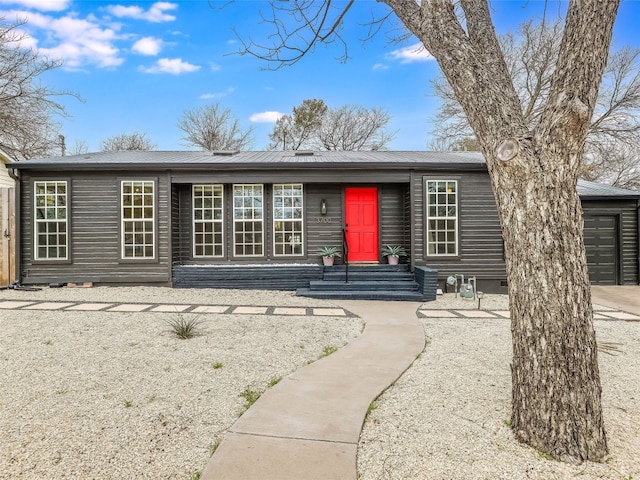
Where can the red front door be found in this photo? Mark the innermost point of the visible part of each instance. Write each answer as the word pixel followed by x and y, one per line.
pixel 361 222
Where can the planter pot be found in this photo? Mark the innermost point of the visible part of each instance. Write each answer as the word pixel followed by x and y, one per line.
pixel 327 261
pixel 393 259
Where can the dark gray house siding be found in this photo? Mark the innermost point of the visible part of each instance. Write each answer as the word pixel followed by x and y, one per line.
pixel 94 226
pixel 481 250
pixel 94 223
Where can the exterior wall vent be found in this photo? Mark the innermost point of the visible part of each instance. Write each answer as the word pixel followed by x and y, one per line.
pixel 225 153
pixel 303 153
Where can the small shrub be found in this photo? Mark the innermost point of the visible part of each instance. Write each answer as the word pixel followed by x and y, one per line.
pixel 217 365
pixel 184 327
pixel 328 350
pixel 274 381
pixel 250 397
pixel 128 403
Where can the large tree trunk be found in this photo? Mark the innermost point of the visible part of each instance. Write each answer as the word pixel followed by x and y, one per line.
pixel 555 377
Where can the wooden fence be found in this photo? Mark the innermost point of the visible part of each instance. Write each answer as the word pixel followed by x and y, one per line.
pixel 7 237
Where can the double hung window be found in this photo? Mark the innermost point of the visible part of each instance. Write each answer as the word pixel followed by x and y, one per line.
pixel 248 225
pixel 138 219
pixel 442 217
pixel 51 222
pixel 287 219
pixel 208 220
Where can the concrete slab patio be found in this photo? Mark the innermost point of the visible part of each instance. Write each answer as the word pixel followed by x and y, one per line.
pixel 308 425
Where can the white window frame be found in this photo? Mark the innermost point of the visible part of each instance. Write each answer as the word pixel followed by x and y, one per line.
pixel 217 192
pixel 54 209
pixel 441 211
pixel 280 215
pixel 246 213
pixel 138 215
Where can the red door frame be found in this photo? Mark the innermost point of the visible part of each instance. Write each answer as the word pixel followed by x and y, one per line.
pixel 361 223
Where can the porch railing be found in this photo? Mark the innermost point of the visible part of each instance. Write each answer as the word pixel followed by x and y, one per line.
pixel 345 251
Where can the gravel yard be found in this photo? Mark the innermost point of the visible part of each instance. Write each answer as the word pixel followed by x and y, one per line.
pixel 445 417
pixel 112 395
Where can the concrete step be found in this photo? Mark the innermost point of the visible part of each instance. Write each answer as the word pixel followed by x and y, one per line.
pixel 364 285
pixel 360 295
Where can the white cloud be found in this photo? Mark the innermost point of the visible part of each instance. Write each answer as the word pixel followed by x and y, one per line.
pixel 412 53
pixel 76 41
pixel 266 117
pixel 207 96
pixel 42 5
pixel 147 46
pixel 174 66
pixel 380 66
pixel 155 13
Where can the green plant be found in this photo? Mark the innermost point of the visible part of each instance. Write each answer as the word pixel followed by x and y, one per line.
pixel 508 423
pixel 328 350
pixel 372 406
pixel 196 475
pixel 128 403
pixel 217 365
pixel 394 250
pixel 274 381
pixel 184 327
pixel 48 342
pixel 329 252
pixel 214 446
pixel 250 397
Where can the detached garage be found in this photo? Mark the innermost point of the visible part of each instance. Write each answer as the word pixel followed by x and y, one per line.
pixel 610 233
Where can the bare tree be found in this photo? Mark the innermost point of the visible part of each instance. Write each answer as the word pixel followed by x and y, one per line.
pixel 79 147
pixel 212 128
pixel 531 58
pixel 27 108
pixel 534 167
pixel 126 141
pixel 315 126
pixel 617 164
pixel 354 128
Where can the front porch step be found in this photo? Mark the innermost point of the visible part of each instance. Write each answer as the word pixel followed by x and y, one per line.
pixel 361 295
pixel 366 282
pixel 363 285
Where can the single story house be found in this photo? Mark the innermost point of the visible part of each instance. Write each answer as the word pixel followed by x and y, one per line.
pixel 257 219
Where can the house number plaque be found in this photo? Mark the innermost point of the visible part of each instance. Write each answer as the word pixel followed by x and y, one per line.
pixel 323 219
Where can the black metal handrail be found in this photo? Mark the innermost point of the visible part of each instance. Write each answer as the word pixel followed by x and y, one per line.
pixel 345 251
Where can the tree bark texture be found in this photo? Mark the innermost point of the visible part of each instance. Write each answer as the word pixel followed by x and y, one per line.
pixel 556 392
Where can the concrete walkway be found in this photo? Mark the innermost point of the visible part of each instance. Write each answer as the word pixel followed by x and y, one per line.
pixel 308 425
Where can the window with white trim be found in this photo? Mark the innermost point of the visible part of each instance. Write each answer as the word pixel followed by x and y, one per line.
pixel 208 221
pixel 442 217
pixel 50 221
pixel 287 219
pixel 248 228
pixel 138 219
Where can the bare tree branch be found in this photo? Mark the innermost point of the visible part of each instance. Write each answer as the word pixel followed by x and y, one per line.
pixel 127 142
pixel 212 128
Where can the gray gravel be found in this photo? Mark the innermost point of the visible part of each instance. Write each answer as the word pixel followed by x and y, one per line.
pixel 445 417
pixel 107 395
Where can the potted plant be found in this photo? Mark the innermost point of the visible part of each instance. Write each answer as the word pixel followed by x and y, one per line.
pixel 328 255
pixel 393 253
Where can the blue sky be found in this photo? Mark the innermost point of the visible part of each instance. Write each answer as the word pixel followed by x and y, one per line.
pixel 139 65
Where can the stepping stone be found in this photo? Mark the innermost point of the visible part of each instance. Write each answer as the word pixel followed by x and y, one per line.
pixel 475 314
pixel 90 307
pixel 329 312
pixel 438 313
pixel 251 310
pixel 48 306
pixel 210 309
pixel 170 308
pixel 129 307
pixel 8 304
pixel 622 316
pixel 289 311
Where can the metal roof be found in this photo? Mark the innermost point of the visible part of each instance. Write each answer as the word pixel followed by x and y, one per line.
pixel 594 190
pixel 274 160
pixel 185 160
